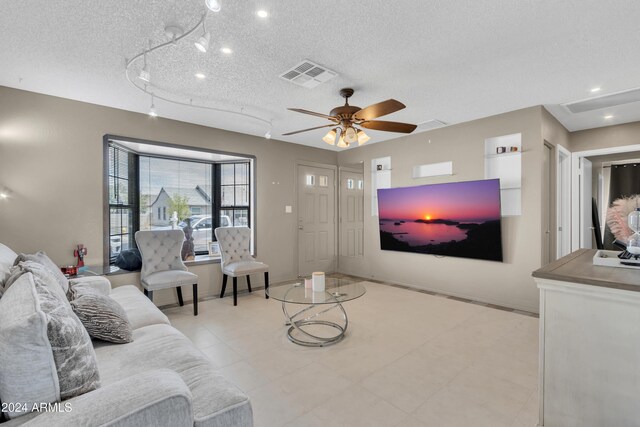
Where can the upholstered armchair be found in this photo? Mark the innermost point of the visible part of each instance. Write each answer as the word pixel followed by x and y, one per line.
pixel 236 259
pixel 162 265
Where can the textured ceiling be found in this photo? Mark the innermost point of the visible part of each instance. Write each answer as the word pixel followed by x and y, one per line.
pixel 449 60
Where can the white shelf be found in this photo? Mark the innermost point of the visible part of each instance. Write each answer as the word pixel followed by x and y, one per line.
pixel 507 167
pixel 493 156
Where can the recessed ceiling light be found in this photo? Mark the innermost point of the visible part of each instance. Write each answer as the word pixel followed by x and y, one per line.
pixel 200 76
pixel 608 116
pixel 262 13
pixel 595 89
pixel 226 50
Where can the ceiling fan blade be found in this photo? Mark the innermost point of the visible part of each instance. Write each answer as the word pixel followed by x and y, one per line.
pixel 380 109
pixel 389 126
pixel 306 130
pixel 324 116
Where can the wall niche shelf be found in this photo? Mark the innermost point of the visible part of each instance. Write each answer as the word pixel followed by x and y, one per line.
pixel 507 167
pixel 514 153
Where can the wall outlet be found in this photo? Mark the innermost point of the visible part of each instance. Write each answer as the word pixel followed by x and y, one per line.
pixel 288 209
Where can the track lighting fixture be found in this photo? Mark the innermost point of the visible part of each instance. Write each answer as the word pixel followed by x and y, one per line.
pixel 140 76
pixel 213 5
pixel 144 74
pixel 203 42
pixel 152 110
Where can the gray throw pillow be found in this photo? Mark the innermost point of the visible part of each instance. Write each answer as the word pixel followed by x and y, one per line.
pixel 73 352
pixel 46 355
pixel 103 318
pixel 42 258
pixel 44 275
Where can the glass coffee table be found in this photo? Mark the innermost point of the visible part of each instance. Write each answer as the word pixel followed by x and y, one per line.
pixel 306 321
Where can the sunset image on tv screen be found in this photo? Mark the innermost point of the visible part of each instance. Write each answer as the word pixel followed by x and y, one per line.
pixel 460 219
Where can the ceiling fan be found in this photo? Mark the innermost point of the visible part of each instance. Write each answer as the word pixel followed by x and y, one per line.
pixel 347 119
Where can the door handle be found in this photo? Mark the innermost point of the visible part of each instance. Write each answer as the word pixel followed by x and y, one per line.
pixel 300 227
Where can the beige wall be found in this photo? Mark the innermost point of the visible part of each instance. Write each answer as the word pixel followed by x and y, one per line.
pixel 51 159
pixel 507 283
pixel 610 136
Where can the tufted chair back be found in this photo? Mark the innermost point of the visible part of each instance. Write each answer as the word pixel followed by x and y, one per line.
pixel 235 244
pixel 160 250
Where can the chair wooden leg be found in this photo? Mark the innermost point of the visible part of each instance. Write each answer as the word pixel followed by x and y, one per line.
pixel 179 291
pixel 249 283
pixel 224 285
pixel 146 294
pixel 266 284
pixel 235 290
pixel 195 299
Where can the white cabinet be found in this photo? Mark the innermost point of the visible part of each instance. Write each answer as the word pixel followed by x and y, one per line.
pixel 503 160
pixel 589 344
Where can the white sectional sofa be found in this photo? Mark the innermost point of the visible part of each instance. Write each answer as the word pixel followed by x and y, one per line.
pixel 159 379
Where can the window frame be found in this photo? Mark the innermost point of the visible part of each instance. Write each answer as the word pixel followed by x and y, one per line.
pixel 216 199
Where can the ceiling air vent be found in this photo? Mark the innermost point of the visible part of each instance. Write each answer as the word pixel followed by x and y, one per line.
pixel 430 124
pixel 308 74
pixel 606 101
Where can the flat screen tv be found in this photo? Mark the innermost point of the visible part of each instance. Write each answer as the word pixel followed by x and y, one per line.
pixel 459 219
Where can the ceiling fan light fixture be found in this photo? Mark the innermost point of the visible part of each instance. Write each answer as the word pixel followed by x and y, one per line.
pixel 362 137
pixel 330 137
pixel 342 143
pixel 203 42
pixel 213 5
pixel 350 135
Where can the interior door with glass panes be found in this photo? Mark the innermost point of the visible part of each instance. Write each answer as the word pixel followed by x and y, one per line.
pixel 351 214
pixel 316 220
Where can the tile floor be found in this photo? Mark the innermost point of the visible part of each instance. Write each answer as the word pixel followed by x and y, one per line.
pixel 409 359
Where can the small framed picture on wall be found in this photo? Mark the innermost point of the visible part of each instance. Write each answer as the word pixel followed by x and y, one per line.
pixel 214 249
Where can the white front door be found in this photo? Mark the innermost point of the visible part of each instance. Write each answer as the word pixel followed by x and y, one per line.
pixel 586 193
pixel 316 219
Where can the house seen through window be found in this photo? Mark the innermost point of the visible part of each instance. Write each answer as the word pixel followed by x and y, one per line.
pixel 156 187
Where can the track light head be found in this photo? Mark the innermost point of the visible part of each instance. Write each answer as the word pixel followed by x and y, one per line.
pixel 213 5
pixel 152 109
pixel 144 74
pixel 203 42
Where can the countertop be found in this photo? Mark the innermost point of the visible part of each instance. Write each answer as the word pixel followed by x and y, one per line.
pixel 577 267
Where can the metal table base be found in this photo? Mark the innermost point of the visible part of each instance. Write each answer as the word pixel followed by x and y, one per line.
pixel 312 340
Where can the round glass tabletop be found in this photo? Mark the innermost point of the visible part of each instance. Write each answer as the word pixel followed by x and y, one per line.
pixel 336 290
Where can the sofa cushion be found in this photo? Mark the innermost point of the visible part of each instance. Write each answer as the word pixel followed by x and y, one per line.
pixel 27 369
pixel 140 310
pixel 42 258
pixel 216 402
pixel 46 354
pixel 7 258
pixel 103 318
